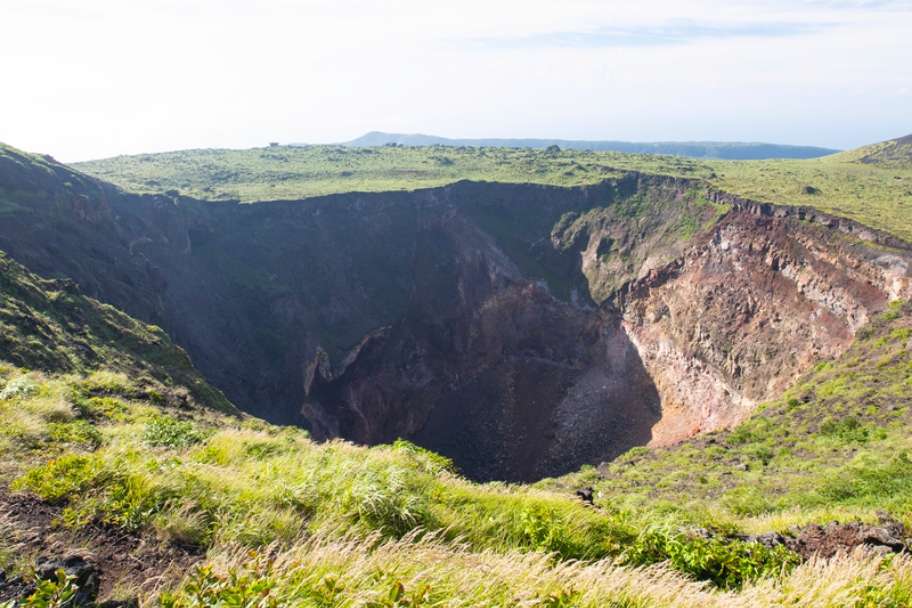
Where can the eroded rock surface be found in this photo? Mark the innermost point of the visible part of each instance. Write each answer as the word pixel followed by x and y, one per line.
pixel 742 314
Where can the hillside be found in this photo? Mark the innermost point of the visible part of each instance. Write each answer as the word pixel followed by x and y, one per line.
pixel 716 385
pixel 508 326
pixel 896 153
pixel 217 511
pixel 255 513
pixel 875 194
pixel 47 325
pixel 698 149
pixel 293 172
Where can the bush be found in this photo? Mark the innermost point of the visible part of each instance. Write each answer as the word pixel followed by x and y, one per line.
pixel 184 526
pixel 167 432
pixel 430 462
pixel 743 434
pixel 871 481
pixel 204 588
pixel 19 388
pixel 727 563
pixel 746 501
pixel 79 433
pixel 846 429
pixel 100 408
pixel 61 478
pixel 386 501
pixel 105 382
pixel 59 592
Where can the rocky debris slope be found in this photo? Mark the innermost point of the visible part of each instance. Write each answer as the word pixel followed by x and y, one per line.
pixel 887 537
pixel 829 540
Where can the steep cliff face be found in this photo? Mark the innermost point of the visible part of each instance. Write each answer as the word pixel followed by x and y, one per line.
pixel 741 315
pixel 645 230
pixel 516 388
pixel 523 330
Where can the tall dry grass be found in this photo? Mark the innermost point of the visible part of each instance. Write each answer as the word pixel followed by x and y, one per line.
pixel 425 571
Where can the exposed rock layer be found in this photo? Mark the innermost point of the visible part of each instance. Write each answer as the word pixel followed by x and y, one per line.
pixel 523 330
pixel 737 318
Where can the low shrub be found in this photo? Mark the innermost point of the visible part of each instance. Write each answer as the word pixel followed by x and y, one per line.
pixel 727 563
pixel 79 433
pixel 62 477
pixel 167 432
pixel 19 387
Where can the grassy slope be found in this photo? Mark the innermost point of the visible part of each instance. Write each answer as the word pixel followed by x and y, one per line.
pixel 27 179
pixel 47 325
pixel 341 520
pixel 895 152
pixel 834 446
pixel 286 522
pixel 296 172
pixel 877 194
pixel 97 421
pixel 704 149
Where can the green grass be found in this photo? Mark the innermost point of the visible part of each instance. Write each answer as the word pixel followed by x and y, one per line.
pixel 298 172
pixel 48 325
pixel 425 572
pixel 876 194
pixel 288 522
pixel 198 478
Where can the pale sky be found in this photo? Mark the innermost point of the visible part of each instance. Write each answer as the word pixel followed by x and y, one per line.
pixel 96 78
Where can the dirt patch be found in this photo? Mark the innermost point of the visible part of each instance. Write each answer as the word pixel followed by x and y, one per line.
pixel 128 564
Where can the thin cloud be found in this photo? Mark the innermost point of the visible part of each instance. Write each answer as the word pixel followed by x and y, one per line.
pixel 646 35
pixel 900 5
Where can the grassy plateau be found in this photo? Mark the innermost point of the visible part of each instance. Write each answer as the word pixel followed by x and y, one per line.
pixel 872 185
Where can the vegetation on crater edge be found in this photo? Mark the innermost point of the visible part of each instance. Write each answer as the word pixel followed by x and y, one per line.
pixel 48 325
pixel 878 194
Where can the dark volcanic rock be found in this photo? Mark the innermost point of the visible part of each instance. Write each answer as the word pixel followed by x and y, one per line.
pixel 889 536
pixel 14 588
pixel 586 495
pixel 84 573
pixel 825 541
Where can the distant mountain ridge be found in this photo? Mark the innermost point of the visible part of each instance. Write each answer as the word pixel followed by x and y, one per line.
pixel 697 149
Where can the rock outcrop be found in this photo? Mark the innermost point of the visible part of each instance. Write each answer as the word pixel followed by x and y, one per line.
pixel 743 313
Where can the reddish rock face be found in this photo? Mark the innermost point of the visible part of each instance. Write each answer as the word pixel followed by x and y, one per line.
pixel 742 314
pixel 522 330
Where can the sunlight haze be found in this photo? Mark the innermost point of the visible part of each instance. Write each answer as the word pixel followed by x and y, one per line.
pixel 100 78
